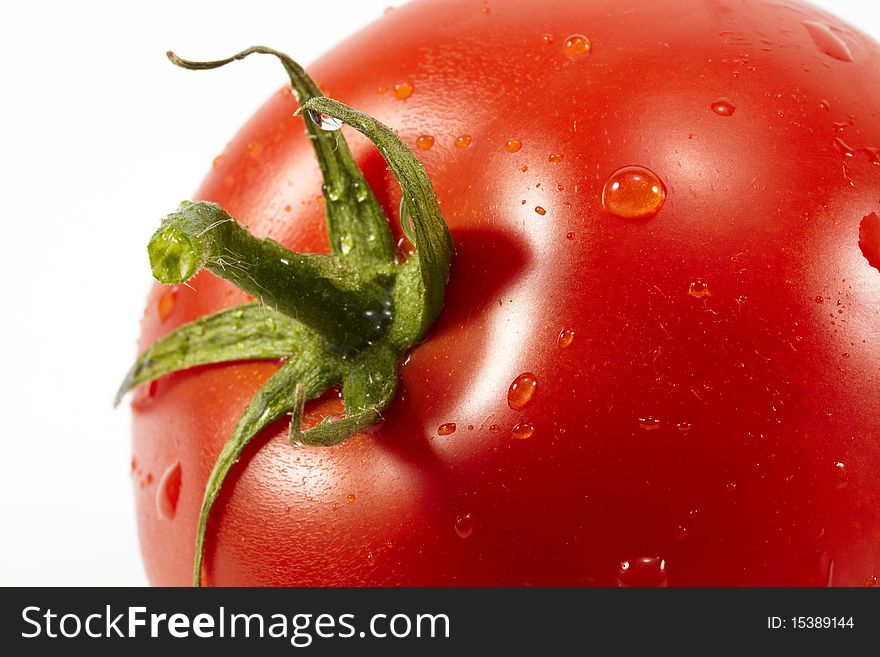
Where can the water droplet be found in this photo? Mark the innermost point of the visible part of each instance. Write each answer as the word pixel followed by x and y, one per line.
pixel 633 192
pixel 569 236
pixel 522 390
pixel 134 465
pixel 464 525
pixel 285 91
pixel 463 141
pixel 842 147
pixel 869 239
pixel 446 429
pixel 371 560
pixel 168 492
pixel 566 337
pixel 495 428
pixel 218 162
pixel 723 107
pixel 381 90
pixel 649 423
pixel 522 431
pixel 684 427
pixel 699 289
pixel 324 121
pixel 424 142
pixel 556 158
pixel 253 148
pixel 872 153
pixel 839 126
pixel 824 105
pixel 167 301
pixel 402 90
pixel 871 581
pixel 680 532
pixel 820 299
pixel 148 479
pixel 827 41
pixel 539 210
pixel 841 478
pixel 642 571
pixel 547 38
pixel 512 145
pixel 350 498
pixel 576 45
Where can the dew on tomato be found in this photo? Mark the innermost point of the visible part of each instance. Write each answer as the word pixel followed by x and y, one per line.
pixel 633 192
pixel 522 431
pixel 168 491
pixel 446 429
pixel 649 423
pixel 556 158
pixel 402 90
pixel 513 145
pixel 494 428
pixel 841 477
pixel 540 210
pixel 464 525
pixel 642 572
pixel 167 301
pixel 351 498
pixel 842 147
pixel 699 289
pixel 566 337
pixel 828 41
pixel 576 45
pixel 522 390
pixel 424 142
pixel 723 107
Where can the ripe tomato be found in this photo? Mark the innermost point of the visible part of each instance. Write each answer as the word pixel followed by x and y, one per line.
pixel 701 352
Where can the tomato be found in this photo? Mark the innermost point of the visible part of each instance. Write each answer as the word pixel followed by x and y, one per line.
pixel 695 350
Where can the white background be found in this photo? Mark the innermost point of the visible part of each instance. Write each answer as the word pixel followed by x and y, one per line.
pixel 95 151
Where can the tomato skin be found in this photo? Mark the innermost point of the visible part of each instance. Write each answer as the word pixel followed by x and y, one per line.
pixel 728 429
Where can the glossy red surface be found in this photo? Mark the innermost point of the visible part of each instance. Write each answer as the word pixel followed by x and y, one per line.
pixel 708 378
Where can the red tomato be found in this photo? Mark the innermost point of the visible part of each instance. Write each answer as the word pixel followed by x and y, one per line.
pixel 702 353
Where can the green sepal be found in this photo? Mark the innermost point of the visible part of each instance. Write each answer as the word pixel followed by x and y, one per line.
pixel 314 370
pixel 248 332
pixel 433 242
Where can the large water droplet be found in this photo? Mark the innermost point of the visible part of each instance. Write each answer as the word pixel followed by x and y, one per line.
pixel 699 289
pixel 464 525
pixel 402 90
pixel 566 337
pixel 633 192
pixel 446 429
pixel 168 491
pixel 522 390
pixel 351 498
pixel 325 121
pixel 424 142
pixel 827 41
pixel 513 145
pixel 167 301
pixel 463 141
pixel 539 210
pixel 522 431
pixel 577 45
pixel 723 107
pixel 869 239
pixel 642 571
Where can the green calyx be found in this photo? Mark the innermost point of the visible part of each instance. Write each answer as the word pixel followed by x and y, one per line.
pixel 340 319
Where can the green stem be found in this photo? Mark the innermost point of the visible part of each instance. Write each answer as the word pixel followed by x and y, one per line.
pixel 322 292
pixel 356 224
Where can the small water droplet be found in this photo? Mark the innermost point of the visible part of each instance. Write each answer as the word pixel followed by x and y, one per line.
pixel 446 429
pixel 525 167
pixel 576 45
pixel 556 158
pixel 522 390
pixel 566 337
pixel 253 148
pixel 381 90
pixel 512 145
pixel 371 560
pixel 820 299
pixel 827 41
pixel 134 465
pixel 522 431
pixel 869 239
pixel 699 289
pixel 872 153
pixel 642 571
pixel 463 141
pixel 547 38
pixel 218 162
pixel 649 423
pixel 680 532
pixel 324 121
pixel 839 126
pixel 841 478
pixel 495 428
pixel 167 301
pixel 569 236
pixel 464 525
pixel 168 492
pixel 730 486
pixel 402 90
pixel 424 142
pixel 723 107
pixel 684 427
pixel 871 581
pixel 633 192
pixel 824 105
pixel 842 147
pixel 350 498
pixel 539 210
